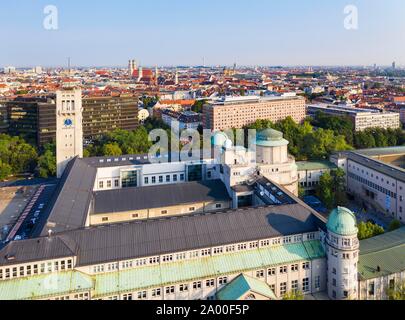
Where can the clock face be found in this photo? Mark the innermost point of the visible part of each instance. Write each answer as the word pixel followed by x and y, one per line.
pixel 68 123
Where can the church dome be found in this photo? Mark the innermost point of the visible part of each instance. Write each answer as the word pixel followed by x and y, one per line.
pixel 342 222
pixel 271 138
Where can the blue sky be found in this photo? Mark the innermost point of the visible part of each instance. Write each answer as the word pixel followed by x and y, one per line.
pixel 182 32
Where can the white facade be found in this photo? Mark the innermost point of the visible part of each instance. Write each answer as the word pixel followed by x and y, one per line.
pixel 69 129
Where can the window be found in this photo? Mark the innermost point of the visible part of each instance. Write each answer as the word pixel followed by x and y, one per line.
pixel 142 295
pixel 160 179
pixel 197 285
pixel 283 269
pixel 104 219
pixel 222 281
pixel 305 285
pixel 183 287
pixel 109 185
pixel 317 282
pixel 168 178
pixel 191 209
pixel 294 285
pixel 260 274
pixel 117 183
pixel 182 177
pixel 283 288
pixel 170 290
pixel 156 293
pixel 153 179
pixel 127 296
pixel 371 289
pixel 305 266
pixel 218 206
pixel 294 267
pixel 101 184
pixel 334 283
pixel 135 215
pixel 271 272
pixel 210 283
pixel 163 212
pixel 175 178
pixel 146 180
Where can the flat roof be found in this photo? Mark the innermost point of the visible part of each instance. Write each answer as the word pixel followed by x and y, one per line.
pixel 129 199
pixel 315 165
pixel 394 172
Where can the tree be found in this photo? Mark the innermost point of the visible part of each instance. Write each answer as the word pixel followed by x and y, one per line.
pixel 397 292
pixel 294 295
pixel 369 230
pixel 5 170
pixel 198 106
pixel 394 225
pixel 47 165
pixel 324 190
pixel 112 149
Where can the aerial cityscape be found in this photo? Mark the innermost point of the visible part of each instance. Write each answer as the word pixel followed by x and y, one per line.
pixel 197 160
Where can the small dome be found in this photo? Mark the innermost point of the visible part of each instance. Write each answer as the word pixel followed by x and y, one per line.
pixel 219 139
pixel 342 222
pixel 228 144
pixel 271 138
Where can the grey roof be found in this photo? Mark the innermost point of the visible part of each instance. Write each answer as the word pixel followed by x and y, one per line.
pixel 156 237
pixel 379 166
pixel 123 200
pixel 72 199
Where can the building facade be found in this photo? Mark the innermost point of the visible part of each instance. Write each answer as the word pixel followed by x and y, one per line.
pixel 35 117
pixel 69 137
pixel 239 112
pixel 362 118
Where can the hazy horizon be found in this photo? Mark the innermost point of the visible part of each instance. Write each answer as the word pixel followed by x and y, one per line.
pixel 293 33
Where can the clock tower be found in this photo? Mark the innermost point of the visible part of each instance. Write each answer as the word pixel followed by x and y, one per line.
pixel 69 130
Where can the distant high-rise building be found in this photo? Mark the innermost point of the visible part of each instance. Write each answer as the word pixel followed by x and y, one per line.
pixel 394 65
pixel 37 70
pixel 9 69
pixel 69 128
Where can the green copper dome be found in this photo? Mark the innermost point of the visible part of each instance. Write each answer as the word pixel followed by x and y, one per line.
pixel 342 222
pixel 271 138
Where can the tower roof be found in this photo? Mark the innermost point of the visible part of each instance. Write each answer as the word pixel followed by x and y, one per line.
pixel 271 138
pixel 343 222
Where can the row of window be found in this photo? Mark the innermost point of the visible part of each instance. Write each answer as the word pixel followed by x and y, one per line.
pixel 206 252
pixel 35 269
pixel 171 290
pixel 373 185
pixel 161 179
pixel 283 270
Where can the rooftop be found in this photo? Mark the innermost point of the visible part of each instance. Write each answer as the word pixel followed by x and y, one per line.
pixel 382 255
pixel 140 239
pixel 123 200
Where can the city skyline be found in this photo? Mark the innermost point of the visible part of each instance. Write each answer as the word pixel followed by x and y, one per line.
pixel 255 33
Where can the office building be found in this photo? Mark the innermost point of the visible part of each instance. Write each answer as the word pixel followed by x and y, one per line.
pixel 35 117
pixel 238 112
pixel 376 178
pixel 362 118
